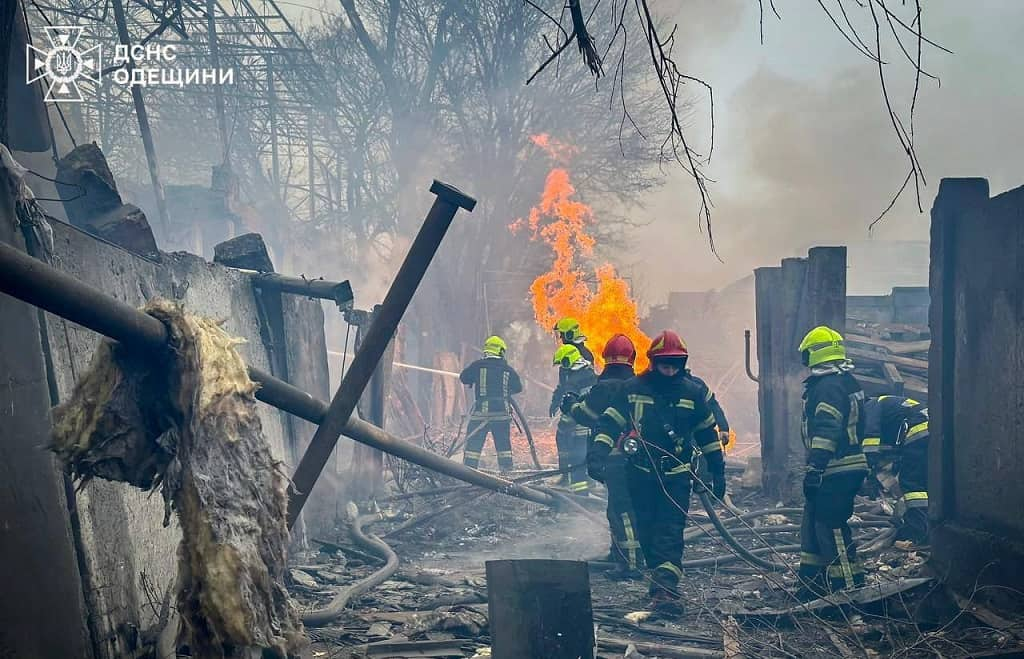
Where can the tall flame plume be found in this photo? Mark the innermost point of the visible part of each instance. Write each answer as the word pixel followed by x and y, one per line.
pixel 565 290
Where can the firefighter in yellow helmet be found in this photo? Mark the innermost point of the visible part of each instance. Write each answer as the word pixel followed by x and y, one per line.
pixel 833 421
pixel 575 376
pixel 570 333
pixel 494 382
pixel 896 441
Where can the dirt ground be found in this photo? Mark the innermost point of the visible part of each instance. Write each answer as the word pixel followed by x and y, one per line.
pixel 436 604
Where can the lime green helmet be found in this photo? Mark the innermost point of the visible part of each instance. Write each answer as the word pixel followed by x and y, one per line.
pixel 822 344
pixel 566 356
pixel 495 346
pixel 568 329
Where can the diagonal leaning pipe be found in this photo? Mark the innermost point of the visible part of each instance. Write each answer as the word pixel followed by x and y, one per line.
pixel 381 330
pixel 43 286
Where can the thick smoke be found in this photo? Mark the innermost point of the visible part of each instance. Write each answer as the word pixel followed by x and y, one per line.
pixel 805 153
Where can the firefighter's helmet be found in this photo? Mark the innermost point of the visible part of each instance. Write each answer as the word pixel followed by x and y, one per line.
pixel 566 356
pixel 495 346
pixel 619 350
pixel 822 344
pixel 568 329
pixel 667 344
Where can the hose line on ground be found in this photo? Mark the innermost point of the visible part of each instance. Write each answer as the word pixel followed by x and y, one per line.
pixel 741 551
pixel 372 543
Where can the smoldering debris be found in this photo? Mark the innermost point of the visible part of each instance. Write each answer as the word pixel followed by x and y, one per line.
pixel 185 422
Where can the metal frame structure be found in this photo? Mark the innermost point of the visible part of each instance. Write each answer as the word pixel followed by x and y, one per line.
pixel 274 127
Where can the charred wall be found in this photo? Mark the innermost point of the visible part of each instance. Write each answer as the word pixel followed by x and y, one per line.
pixel 976 385
pixel 124 560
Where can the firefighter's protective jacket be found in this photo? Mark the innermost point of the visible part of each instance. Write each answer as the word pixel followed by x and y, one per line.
pixel 650 402
pixel 891 421
pixel 493 381
pixel 572 380
pixel 833 419
pixel 587 410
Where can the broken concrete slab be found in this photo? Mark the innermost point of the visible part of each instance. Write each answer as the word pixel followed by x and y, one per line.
pixel 127 227
pixel 86 185
pixel 247 251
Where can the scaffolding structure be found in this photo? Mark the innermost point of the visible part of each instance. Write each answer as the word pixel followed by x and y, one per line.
pixel 273 129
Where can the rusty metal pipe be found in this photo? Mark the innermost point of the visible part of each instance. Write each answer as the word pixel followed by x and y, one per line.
pixel 340 292
pixel 43 286
pixel 746 356
pixel 382 329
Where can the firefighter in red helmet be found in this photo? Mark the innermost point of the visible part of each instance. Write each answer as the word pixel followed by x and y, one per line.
pixel 607 464
pixel 672 417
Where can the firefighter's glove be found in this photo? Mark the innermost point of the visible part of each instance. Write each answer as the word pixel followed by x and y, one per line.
pixel 723 436
pixel 718 486
pixel 812 482
pixel 553 409
pixel 568 401
pixel 597 461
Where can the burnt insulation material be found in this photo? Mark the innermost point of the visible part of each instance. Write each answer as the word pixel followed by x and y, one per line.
pixel 185 423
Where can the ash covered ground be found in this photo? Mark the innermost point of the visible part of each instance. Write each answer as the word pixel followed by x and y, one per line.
pixel 436 603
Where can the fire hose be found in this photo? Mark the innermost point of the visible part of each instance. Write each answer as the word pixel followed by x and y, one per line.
pixel 525 427
pixel 336 606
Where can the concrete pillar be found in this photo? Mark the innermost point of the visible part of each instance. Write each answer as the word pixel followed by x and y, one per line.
pixel 954 198
pixel 792 299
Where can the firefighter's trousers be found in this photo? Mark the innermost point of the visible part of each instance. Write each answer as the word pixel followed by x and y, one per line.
pixel 476 435
pixel 828 557
pixel 913 478
pixel 661 503
pixel 621 518
pixel 571 440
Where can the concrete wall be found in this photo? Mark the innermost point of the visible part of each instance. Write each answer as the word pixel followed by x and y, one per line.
pixel 976 384
pixel 790 301
pixel 125 556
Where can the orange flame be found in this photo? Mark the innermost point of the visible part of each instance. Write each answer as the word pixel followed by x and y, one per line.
pixel 563 223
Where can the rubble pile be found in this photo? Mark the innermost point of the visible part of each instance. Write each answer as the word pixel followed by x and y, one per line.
pixel 435 605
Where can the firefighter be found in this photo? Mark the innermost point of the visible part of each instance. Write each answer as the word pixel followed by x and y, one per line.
pixel 671 416
pixel 575 376
pixel 833 421
pixel 896 434
pixel 569 332
pixel 494 382
pixel 721 422
pixel 607 464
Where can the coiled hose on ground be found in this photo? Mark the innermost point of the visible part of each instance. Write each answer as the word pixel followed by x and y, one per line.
pixel 741 551
pixel 329 613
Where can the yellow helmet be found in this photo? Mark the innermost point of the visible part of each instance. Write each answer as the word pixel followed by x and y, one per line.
pixel 495 346
pixel 568 329
pixel 566 356
pixel 822 344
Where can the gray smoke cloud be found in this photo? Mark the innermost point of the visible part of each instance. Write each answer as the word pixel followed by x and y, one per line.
pixel 804 151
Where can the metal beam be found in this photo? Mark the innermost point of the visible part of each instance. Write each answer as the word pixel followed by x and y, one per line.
pixel 382 329
pixel 140 113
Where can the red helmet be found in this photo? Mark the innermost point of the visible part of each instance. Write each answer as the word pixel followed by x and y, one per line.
pixel 667 344
pixel 619 350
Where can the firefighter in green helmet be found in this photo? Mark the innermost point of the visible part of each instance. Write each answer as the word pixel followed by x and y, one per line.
pixel 494 382
pixel 833 422
pixel 575 376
